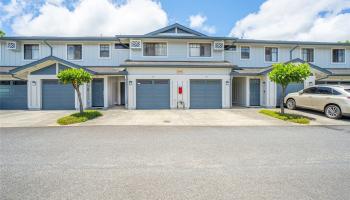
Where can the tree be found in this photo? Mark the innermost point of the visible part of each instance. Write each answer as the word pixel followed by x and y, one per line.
pixel 2 33
pixel 76 77
pixel 285 74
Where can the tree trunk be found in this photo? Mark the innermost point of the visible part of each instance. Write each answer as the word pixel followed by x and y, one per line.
pixel 282 99
pixel 76 87
pixel 81 110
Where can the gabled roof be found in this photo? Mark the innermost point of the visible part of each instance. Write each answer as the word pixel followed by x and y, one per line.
pixel 48 58
pixel 176 27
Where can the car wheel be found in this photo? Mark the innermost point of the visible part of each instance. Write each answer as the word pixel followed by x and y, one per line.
pixel 333 112
pixel 291 105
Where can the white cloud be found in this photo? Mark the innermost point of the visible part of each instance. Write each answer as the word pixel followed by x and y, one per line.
pixel 317 20
pixel 198 22
pixel 91 17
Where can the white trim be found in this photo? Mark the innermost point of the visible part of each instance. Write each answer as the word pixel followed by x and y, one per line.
pixel 28 43
pixel 240 52
pixel 167 49
pixel 99 51
pixel 204 57
pixel 301 53
pixel 82 51
pixel 278 54
pixel 338 63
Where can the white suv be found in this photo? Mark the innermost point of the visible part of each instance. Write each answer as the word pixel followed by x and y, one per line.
pixel 333 100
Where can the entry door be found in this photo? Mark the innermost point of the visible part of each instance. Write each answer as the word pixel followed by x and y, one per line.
pixel 254 85
pixel 122 93
pixel 97 92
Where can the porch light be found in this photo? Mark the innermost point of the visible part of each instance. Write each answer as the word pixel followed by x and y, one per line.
pixel 33 83
pixel 130 82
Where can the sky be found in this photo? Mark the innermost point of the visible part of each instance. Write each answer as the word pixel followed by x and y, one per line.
pixel 312 20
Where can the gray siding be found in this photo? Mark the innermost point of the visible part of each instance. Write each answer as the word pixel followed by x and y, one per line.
pixel 90 54
pixel 177 51
pixel 257 56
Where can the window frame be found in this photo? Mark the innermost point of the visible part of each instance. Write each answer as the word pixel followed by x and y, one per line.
pixel 344 56
pixel 278 52
pixel 240 52
pixel 31 43
pixel 301 53
pixel 99 51
pixel 82 51
pixel 211 50
pixel 167 49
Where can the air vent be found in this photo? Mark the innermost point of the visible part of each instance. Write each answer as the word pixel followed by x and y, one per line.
pixel 219 45
pixel 11 45
pixel 135 44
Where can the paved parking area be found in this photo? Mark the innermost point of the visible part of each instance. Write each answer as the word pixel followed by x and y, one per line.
pixel 171 162
pixel 221 117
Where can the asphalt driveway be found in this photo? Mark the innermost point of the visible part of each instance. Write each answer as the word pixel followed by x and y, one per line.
pixel 169 162
pixel 217 117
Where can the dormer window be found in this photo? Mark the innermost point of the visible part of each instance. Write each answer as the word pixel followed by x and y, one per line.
pixel 154 49
pixel 200 49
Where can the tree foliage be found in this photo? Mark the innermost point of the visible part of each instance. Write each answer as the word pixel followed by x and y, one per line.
pixel 76 77
pixel 2 33
pixel 284 74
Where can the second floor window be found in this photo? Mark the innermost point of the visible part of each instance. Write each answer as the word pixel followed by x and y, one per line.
pixel 245 52
pixel 307 54
pixel 338 55
pixel 104 51
pixel 271 54
pixel 31 51
pixel 155 49
pixel 200 50
pixel 74 52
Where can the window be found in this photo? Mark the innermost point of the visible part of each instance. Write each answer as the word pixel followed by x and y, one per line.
pixel 324 90
pixel 121 46
pixel 271 54
pixel 104 51
pixel 200 50
pixel 230 47
pixel 155 49
pixel 31 51
pixel 307 54
pixel 338 55
pixel 311 90
pixel 74 52
pixel 245 52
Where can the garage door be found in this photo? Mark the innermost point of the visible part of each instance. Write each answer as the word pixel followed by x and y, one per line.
pixel 56 96
pixel 293 87
pixel 13 95
pixel 205 94
pixel 153 94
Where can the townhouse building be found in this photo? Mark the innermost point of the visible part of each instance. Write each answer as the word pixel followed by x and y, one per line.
pixel 171 68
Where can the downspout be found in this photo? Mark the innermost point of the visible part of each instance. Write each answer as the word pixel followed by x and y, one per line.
pixel 291 52
pixel 231 78
pixel 48 46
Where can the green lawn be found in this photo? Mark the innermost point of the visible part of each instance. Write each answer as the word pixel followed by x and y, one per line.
pixel 78 118
pixel 286 117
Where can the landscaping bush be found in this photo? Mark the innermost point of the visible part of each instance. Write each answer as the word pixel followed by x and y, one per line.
pixel 286 117
pixel 78 117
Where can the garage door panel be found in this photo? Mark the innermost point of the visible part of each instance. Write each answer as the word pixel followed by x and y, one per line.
pixel 153 94
pixel 292 87
pixel 56 96
pixel 205 94
pixel 13 95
